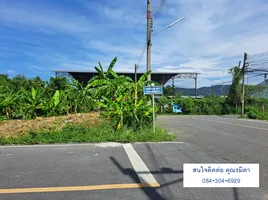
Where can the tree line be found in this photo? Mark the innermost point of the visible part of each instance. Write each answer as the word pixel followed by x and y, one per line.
pixel 256 108
pixel 22 98
pixel 120 98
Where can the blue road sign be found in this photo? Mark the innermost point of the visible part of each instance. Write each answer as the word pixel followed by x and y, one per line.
pixel 152 90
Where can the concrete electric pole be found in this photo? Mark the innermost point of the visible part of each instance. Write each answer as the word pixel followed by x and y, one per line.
pixel 149 31
pixel 243 85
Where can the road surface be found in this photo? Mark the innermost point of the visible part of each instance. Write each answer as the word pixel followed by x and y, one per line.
pixel 224 139
pixel 137 171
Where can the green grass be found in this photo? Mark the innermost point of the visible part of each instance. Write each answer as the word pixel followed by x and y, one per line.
pixel 81 134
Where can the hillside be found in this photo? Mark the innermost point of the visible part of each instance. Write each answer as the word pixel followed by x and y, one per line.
pixel 218 90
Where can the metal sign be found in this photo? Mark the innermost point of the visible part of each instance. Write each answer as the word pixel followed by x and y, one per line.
pixel 152 90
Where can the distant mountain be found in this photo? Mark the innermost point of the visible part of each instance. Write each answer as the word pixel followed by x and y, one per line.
pixel 264 83
pixel 219 90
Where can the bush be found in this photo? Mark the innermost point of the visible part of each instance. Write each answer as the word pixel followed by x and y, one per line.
pixel 262 116
pixel 252 112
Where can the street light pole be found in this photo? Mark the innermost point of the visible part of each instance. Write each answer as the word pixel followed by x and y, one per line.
pixel 172 24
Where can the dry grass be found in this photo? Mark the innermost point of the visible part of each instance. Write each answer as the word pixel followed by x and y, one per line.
pixel 15 128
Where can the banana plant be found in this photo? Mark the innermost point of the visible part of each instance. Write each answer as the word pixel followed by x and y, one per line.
pixel 135 90
pixel 81 97
pixel 101 73
pixel 56 105
pixel 31 102
pixel 8 102
pixel 106 82
pixel 117 110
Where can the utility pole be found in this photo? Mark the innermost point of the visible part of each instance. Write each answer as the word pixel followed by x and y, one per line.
pixel 195 83
pixel 243 85
pixel 135 73
pixel 173 88
pixel 149 31
pixel 136 95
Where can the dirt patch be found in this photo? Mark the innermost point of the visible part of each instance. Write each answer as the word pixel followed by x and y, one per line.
pixel 13 128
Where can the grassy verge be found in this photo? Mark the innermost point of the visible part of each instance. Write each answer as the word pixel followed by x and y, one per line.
pixel 80 134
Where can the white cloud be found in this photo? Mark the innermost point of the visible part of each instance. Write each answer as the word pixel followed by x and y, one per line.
pixel 211 39
pixel 10 71
pixel 44 20
pixel 117 12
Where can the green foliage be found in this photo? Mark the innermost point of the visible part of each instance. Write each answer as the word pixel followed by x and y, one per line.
pixel 118 94
pixel 255 113
pixel 31 102
pixel 56 83
pixel 250 89
pixel 164 101
pixel 169 90
pixel 210 105
pixel 102 133
pixel 119 97
pixel 8 102
pixel 234 95
pixel 252 112
pixel 178 95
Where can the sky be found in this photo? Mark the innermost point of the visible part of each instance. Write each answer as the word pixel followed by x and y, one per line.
pixel 37 37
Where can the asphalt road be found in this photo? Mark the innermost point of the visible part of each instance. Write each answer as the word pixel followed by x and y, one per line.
pixel 224 140
pixel 88 169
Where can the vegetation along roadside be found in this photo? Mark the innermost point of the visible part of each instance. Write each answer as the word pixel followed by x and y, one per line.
pixel 63 111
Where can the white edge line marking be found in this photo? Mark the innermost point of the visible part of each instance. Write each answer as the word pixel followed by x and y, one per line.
pixel 158 142
pixel 252 120
pixel 45 145
pixel 253 127
pixel 139 165
pixel 108 144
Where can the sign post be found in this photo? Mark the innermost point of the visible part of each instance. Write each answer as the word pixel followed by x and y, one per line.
pixel 152 90
pixel 153 116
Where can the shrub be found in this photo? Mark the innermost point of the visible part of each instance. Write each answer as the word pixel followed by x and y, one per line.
pixel 252 112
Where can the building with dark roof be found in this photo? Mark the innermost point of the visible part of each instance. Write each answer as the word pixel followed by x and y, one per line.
pixel 159 77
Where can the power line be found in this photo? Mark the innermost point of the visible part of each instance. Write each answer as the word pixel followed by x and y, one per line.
pixel 160 10
pixel 142 54
pixel 258 55
pixel 158 13
pixel 258 60
pixel 259 64
pixel 161 4
pixel 156 5
pixel 256 75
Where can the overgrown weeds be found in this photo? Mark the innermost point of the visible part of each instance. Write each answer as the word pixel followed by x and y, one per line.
pixel 81 134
